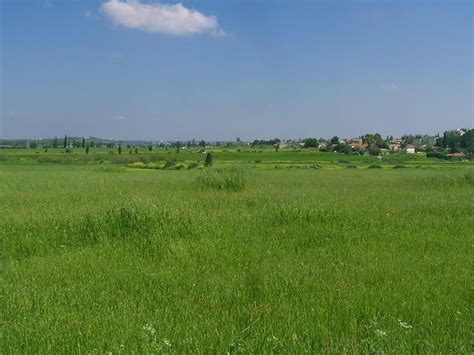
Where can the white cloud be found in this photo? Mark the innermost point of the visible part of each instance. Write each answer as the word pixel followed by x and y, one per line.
pixel 160 18
pixel 88 13
pixel 390 87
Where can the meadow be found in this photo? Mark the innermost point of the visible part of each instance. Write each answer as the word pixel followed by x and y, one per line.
pixel 265 252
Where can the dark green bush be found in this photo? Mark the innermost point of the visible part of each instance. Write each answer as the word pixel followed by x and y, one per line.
pixel 437 155
pixel 169 164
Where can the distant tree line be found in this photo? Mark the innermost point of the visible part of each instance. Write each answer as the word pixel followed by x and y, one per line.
pixel 452 141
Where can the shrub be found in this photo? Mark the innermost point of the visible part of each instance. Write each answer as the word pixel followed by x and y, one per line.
pixel 399 166
pixel 193 165
pixel 351 167
pixel 122 159
pixel 169 164
pixel 231 179
pixel 137 164
pixel 209 161
pixel 437 155
pixel 375 166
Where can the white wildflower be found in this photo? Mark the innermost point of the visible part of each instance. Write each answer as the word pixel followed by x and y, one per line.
pixel 149 328
pixel 167 343
pixel 380 333
pixel 404 325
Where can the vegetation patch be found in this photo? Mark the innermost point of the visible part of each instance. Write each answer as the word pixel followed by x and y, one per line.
pixel 228 179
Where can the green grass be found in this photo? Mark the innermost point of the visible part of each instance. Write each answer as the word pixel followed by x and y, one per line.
pixel 247 157
pixel 98 258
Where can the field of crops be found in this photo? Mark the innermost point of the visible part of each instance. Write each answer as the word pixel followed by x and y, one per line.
pixel 111 258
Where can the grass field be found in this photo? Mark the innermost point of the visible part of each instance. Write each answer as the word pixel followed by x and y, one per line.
pixel 107 258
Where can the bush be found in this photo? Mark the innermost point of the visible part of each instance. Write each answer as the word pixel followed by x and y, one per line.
pixel 399 166
pixel 137 164
pixel 375 166
pixel 437 155
pixel 351 167
pixel 169 164
pixel 208 161
pixel 231 179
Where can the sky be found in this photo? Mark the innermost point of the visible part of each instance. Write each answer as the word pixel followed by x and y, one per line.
pixel 218 70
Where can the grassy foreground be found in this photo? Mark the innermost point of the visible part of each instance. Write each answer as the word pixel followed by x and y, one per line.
pixel 134 260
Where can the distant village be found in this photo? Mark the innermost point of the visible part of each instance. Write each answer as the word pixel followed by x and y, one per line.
pixel 454 144
pixel 457 143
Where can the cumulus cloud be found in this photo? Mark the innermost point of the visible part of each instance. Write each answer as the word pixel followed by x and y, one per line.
pixel 160 18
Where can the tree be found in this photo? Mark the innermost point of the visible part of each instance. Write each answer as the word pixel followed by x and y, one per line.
pixel 178 144
pixel 150 147
pixel 373 150
pixel 451 140
pixel 208 161
pixel 277 147
pixel 311 143
pixel 202 143
pixel 83 143
pixel 335 140
pixel 120 148
pixel 65 142
pixel 467 141
pixel 372 140
pixel 55 142
pixel 136 150
pixel 343 148
pixel 87 149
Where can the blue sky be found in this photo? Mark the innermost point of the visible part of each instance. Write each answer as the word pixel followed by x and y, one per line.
pixel 227 69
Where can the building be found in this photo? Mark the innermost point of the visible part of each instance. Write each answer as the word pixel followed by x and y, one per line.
pixel 458 156
pixel 394 146
pixel 410 149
